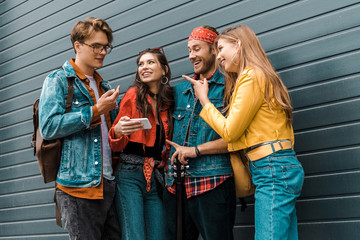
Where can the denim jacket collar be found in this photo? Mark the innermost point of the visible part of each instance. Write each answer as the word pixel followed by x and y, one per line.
pixel 68 69
pixel 72 70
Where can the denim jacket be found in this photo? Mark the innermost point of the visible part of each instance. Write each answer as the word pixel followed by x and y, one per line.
pixel 186 110
pixel 81 158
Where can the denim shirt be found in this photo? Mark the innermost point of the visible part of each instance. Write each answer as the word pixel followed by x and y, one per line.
pixel 186 110
pixel 81 158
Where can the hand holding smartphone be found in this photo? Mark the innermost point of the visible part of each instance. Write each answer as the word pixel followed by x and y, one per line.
pixel 144 121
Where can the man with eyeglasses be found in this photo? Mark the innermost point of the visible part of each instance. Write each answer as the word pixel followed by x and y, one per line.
pixel 85 186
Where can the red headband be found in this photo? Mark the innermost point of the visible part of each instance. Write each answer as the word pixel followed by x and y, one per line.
pixel 203 34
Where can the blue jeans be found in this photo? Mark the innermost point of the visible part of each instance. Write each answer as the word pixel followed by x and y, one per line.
pixel 141 213
pixel 278 179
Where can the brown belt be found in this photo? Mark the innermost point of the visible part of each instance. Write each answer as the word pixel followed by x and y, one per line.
pixel 265 149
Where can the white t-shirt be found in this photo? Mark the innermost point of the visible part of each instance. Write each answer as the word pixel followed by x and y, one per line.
pixel 106 150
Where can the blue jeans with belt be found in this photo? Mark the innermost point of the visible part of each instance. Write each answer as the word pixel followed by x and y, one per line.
pixel 141 213
pixel 278 179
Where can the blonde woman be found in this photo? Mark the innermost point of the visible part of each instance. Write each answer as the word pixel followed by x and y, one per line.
pixel 258 122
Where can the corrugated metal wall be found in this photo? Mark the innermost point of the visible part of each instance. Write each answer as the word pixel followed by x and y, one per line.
pixel 313 44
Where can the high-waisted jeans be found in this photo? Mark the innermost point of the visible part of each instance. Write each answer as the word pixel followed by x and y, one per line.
pixel 141 213
pixel 278 179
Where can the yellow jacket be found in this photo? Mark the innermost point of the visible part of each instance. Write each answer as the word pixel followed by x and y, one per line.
pixel 250 120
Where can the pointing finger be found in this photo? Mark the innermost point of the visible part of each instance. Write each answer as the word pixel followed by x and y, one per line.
pixel 192 81
pixel 175 145
pixel 108 93
pixel 115 93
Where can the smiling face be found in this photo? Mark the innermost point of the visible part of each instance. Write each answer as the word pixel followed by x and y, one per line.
pixel 86 59
pixel 150 70
pixel 202 58
pixel 227 55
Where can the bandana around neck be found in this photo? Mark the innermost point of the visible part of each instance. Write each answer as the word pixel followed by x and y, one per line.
pixel 203 34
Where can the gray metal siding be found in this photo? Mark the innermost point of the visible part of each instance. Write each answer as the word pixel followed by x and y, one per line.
pixel 313 44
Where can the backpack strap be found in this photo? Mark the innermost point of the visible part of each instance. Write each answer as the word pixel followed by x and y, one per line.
pixel 35 124
pixel 70 95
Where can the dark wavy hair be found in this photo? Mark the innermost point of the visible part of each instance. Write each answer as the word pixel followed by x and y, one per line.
pixel 165 97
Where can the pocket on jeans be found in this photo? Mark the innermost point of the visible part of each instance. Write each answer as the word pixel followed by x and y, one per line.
pixel 260 164
pixel 293 177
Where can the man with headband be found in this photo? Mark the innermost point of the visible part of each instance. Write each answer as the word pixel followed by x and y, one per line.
pixel 210 202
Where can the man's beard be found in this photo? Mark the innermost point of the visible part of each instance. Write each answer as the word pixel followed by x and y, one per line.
pixel 208 64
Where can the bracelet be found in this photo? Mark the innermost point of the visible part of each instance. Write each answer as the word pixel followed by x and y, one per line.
pixel 197 151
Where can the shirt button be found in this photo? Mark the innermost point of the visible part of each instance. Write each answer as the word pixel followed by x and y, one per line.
pixel 179 115
pixel 96 162
pixel 94 182
pixel 76 101
pixel 188 106
pixel 95 140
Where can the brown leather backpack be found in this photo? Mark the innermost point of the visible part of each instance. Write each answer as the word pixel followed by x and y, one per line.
pixel 48 152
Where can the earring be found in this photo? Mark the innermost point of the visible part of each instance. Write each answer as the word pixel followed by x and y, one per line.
pixel 166 80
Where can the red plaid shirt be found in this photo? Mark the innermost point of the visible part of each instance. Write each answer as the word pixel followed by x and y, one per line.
pixel 197 185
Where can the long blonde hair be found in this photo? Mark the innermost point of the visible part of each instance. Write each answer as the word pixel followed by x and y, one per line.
pixel 251 54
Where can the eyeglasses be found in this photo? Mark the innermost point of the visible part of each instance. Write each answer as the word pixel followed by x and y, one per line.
pixel 158 49
pixel 98 48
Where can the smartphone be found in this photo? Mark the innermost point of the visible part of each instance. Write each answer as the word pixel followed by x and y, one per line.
pixel 144 121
